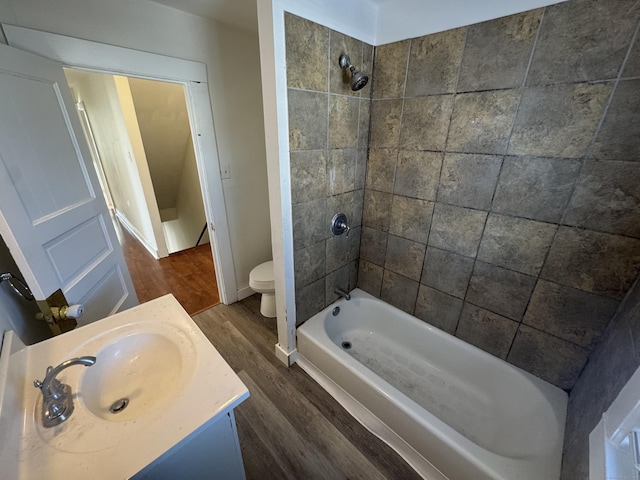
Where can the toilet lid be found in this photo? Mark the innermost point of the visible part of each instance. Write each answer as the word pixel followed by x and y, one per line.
pixel 262 274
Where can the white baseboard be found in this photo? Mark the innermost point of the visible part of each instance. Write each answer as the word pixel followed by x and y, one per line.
pixel 245 292
pixel 288 358
pixel 136 233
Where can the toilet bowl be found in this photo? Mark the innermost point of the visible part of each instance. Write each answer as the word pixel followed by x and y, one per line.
pixel 261 281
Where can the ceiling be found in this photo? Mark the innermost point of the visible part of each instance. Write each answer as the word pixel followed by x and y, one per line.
pixel 237 13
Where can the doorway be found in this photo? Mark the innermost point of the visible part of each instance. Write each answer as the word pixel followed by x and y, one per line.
pixel 141 144
pixel 189 275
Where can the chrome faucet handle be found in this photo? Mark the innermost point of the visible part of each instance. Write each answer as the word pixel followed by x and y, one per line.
pixel 344 225
pixel 57 398
pixel 51 386
pixel 339 225
pixel 54 387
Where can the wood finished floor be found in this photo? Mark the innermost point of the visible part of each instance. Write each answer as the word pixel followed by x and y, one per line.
pixel 290 428
pixel 189 275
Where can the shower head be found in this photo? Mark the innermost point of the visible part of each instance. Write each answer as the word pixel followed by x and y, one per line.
pixel 358 79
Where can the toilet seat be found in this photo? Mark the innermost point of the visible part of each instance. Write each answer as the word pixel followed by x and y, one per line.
pixel 261 277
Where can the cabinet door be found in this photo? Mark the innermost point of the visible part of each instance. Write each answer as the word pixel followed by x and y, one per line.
pixel 211 452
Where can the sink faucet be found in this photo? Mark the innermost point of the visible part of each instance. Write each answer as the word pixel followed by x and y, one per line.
pixel 342 293
pixel 57 399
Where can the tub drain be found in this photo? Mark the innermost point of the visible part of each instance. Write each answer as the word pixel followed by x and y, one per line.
pixel 119 405
pixel 346 345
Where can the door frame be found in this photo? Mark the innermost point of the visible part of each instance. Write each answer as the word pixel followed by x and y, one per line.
pixel 93 56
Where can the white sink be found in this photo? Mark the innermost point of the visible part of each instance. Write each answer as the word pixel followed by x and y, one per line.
pixel 156 379
pixel 136 373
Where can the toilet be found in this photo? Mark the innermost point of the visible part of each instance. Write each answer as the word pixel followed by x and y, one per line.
pixel 261 281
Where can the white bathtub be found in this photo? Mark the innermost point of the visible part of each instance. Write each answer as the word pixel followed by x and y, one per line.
pixel 450 409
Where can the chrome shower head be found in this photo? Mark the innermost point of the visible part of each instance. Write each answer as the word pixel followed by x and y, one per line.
pixel 358 79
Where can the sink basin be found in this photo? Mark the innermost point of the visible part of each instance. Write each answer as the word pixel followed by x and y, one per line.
pixel 141 368
pixel 156 380
pixel 134 375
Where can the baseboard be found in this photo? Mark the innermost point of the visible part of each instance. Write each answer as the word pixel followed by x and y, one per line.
pixel 245 292
pixel 136 233
pixel 288 358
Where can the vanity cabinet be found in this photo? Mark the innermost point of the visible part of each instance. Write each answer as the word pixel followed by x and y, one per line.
pixel 180 392
pixel 211 452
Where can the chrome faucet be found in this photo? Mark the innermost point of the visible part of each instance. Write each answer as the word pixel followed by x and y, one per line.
pixel 342 293
pixel 57 399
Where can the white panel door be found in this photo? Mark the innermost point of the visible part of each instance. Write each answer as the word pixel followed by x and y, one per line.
pixel 53 216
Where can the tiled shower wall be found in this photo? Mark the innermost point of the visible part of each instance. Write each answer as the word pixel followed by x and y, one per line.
pixel 503 182
pixel 328 137
pixel 610 367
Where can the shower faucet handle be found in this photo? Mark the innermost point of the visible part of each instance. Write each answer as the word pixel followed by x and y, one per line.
pixel 339 225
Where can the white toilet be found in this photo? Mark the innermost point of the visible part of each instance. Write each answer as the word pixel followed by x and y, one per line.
pixel 261 281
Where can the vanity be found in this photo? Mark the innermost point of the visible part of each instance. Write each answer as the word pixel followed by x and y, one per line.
pixel 157 403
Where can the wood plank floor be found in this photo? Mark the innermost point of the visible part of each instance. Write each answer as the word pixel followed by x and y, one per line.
pixel 290 428
pixel 189 275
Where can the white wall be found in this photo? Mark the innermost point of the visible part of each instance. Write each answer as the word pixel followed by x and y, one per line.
pixel 102 104
pixel 183 232
pixel 147 202
pixel 246 192
pixel 163 119
pixel 232 59
pixel 402 19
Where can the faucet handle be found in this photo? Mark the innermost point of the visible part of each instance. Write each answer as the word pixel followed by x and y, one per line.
pixel 339 225
pixel 51 386
pixel 57 402
pixel 345 228
pixel 55 388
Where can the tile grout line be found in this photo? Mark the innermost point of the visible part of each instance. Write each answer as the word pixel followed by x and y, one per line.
pixel 366 170
pixel 397 152
pixel 442 157
pixel 486 90
pixel 475 257
pixel 615 81
pixel 404 97
pixel 528 218
pixel 506 151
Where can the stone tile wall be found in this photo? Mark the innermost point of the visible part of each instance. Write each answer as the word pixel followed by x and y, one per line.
pixel 328 136
pixel 610 367
pixel 502 193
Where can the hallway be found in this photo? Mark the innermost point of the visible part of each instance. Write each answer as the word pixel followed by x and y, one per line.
pixel 189 275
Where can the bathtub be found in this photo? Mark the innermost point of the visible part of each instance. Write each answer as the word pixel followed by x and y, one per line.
pixel 451 410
